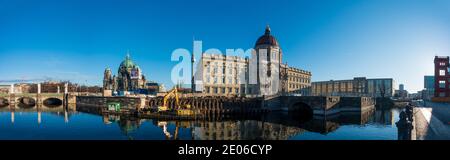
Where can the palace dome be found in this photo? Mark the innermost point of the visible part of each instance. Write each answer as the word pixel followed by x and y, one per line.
pixel 267 39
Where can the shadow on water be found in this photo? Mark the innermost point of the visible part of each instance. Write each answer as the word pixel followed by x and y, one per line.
pixel 301 112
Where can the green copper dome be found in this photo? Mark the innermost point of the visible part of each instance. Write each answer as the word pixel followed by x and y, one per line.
pixel 127 63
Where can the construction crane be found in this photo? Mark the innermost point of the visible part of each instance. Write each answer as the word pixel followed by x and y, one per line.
pixel 184 110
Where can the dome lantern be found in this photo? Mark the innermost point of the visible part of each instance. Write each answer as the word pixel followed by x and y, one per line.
pixel 267 38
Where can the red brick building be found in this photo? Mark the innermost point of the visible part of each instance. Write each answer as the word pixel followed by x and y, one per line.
pixel 442 78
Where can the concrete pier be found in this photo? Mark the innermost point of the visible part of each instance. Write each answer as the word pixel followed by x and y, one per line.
pixel 428 126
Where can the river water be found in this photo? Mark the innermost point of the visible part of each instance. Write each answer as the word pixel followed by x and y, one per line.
pixel 66 124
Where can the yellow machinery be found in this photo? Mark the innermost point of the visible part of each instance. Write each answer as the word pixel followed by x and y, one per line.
pixel 184 110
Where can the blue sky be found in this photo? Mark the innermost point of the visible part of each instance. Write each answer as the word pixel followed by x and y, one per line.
pixel 340 39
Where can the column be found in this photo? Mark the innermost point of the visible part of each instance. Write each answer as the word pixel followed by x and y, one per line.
pixel 66 94
pixel 11 90
pixel 66 88
pixel 38 97
pixel 39 88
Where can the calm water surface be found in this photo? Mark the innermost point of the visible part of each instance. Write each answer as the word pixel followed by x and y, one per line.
pixel 58 124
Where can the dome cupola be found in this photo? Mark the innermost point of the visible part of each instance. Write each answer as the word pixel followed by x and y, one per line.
pixel 127 63
pixel 267 39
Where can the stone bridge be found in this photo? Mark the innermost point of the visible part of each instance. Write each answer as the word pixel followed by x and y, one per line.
pixel 36 99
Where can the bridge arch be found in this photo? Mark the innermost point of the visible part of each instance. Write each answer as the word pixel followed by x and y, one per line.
pixel 26 102
pixel 52 102
pixel 303 111
pixel 3 102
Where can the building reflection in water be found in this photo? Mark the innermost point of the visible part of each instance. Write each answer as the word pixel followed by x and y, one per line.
pixel 272 126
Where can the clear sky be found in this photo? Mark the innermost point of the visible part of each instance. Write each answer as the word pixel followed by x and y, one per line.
pixel 341 39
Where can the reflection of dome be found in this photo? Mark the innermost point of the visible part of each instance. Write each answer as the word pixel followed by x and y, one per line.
pixel 267 39
pixel 127 63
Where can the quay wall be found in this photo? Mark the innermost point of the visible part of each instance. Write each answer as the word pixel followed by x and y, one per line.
pixel 206 105
pixel 356 103
pixel 98 102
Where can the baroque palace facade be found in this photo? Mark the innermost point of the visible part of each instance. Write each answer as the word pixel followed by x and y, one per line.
pixel 225 75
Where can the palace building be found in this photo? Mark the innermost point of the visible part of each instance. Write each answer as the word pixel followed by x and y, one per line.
pixel 295 81
pixel 129 79
pixel 225 75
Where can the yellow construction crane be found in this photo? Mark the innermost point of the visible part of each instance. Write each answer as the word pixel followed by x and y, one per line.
pixel 180 109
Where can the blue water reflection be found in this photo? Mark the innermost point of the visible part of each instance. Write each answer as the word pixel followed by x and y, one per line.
pixel 72 125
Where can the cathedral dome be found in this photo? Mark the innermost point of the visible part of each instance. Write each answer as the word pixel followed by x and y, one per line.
pixel 127 63
pixel 267 39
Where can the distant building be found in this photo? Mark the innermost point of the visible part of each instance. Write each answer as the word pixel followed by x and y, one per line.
pixel 428 92
pixel 357 87
pixel 401 92
pixel 129 79
pixel 441 79
pixel 154 88
pixel 441 74
pixel 401 87
pixel 415 96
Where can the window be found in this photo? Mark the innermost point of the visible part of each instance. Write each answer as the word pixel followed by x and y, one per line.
pixel 442 94
pixel 208 79
pixel 223 90
pixel 441 84
pixel 215 90
pixel 230 90
pixel 442 72
pixel 442 63
pixel 215 80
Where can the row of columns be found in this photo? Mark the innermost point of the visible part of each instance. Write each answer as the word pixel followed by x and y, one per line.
pixel 66 90
pixel 38 98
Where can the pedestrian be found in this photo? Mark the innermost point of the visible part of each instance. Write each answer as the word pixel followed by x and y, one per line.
pixel 402 126
pixel 409 112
